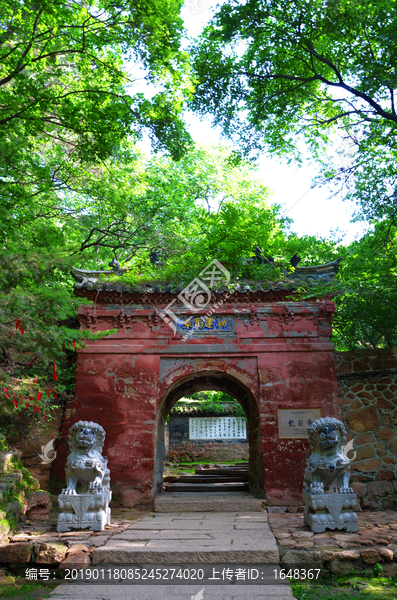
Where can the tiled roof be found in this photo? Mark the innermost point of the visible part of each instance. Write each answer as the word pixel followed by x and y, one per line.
pixel 90 285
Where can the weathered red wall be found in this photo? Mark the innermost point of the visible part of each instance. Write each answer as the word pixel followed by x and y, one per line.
pixel 279 356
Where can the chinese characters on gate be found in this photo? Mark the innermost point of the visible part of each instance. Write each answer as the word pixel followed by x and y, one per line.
pixel 212 428
pixel 205 324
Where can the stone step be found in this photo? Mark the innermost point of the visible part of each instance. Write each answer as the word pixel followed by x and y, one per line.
pixel 200 502
pixel 205 538
pixel 206 487
pixel 211 479
pixel 236 465
pixel 223 471
pixel 244 465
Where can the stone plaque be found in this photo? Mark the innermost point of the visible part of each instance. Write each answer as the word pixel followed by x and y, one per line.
pixel 205 325
pixel 217 428
pixel 294 422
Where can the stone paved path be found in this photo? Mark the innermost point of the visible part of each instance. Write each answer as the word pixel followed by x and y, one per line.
pixel 176 592
pixel 186 538
pixel 193 538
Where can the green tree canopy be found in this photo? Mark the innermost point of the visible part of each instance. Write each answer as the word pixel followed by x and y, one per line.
pixel 216 208
pixel 366 316
pixel 70 104
pixel 67 96
pixel 211 402
pixel 273 73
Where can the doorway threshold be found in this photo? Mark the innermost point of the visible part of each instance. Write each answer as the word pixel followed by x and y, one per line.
pixel 207 502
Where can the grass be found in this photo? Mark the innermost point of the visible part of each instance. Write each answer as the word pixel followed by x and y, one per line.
pixel 205 462
pixel 189 467
pixel 18 589
pixel 345 587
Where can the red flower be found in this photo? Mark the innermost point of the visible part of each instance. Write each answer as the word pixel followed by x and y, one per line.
pixel 16 403
pixel 35 381
pixel 39 395
pixel 36 408
pixel 55 371
pixel 5 391
pixel 27 405
pixel 18 324
pixel 74 343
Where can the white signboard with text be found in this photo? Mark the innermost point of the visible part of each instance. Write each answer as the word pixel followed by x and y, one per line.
pixel 217 428
pixel 293 423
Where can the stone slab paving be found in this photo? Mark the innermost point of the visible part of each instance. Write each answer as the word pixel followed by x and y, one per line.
pixel 172 592
pixel 211 538
pixel 180 538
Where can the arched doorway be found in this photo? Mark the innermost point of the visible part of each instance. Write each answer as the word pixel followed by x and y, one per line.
pixel 218 382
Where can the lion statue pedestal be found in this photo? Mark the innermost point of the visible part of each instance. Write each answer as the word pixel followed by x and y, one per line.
pixel 85 500
pixel 329 501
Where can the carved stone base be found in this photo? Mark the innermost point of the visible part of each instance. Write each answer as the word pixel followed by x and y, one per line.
pixel 330 511
pixel 82 511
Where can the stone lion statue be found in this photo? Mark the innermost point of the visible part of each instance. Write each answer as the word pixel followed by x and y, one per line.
pixel 86 468
pixel 327 467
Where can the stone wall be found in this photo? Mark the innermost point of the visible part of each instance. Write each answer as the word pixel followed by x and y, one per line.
pixel 216 451
pixel 367 383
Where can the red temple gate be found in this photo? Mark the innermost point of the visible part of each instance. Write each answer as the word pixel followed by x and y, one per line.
pixel 269 352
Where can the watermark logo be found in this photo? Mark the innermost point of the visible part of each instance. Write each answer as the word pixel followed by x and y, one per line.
pixel 198 5
pixel 198 596
pixel 46 450
pixel 348 448
pixel 197 295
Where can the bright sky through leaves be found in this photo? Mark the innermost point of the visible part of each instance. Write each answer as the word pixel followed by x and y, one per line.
pixel 311 210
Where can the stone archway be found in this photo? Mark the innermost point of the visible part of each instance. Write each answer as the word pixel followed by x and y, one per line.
pixel 218 381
